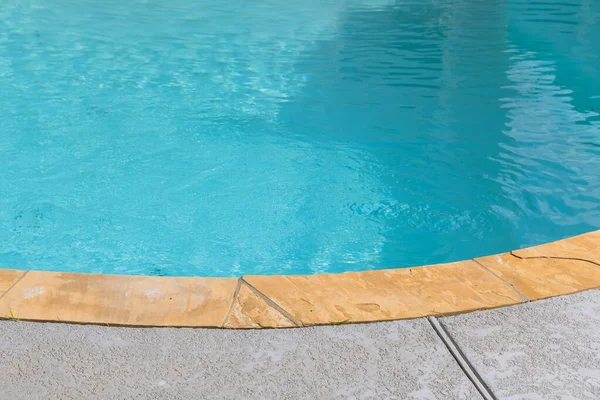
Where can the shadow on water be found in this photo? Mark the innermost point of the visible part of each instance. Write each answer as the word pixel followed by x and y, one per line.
pixel 418 88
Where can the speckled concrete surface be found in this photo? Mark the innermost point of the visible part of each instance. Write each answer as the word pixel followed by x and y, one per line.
pixel 543 350
pixel 393 360
pixel 547 349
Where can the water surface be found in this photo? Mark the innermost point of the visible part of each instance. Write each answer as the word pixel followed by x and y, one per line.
pixel 225 138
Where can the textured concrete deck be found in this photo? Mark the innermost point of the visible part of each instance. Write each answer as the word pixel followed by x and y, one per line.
pixel 388 360
pixel 548 349
pixel 542 350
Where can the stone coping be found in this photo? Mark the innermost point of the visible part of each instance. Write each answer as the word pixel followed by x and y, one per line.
pixel 566 266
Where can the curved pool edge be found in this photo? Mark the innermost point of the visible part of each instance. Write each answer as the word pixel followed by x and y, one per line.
pixel 279 301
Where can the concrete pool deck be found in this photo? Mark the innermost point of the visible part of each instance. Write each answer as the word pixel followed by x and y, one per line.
pixel 545 350
pixel 563 267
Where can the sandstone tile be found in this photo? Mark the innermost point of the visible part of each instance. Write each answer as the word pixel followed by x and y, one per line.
pixel 585 247
pixel 8 277
pixel 538 278
pixel 251 311
pixel 386 294
pixel 119 299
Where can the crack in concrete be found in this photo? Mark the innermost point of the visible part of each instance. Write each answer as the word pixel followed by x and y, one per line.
pixel 554 257
pixel 501 295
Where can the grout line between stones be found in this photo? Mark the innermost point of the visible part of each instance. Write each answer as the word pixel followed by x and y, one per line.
pixel 13 285
pixel 461 359
pixel 272 303
pixel 523 297
pixel 235 294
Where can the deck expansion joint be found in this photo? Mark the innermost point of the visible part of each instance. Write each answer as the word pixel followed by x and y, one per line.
pixel 461 359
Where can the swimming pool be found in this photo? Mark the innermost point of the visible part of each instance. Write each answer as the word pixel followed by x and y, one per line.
pixel 280 137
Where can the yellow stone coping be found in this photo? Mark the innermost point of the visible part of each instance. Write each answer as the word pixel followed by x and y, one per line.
pixel 566 266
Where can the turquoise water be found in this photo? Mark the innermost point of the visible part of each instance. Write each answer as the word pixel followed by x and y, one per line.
pixel 225 138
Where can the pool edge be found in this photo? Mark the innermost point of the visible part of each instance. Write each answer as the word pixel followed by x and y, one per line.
pixel 557 268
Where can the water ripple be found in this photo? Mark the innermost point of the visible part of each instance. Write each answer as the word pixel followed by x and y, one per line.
pixel 199 138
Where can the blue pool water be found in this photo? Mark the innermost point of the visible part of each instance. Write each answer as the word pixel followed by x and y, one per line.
pixel 180 137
